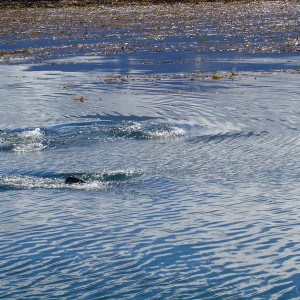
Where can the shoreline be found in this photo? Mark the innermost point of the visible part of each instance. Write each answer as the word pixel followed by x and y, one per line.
pixel 8 4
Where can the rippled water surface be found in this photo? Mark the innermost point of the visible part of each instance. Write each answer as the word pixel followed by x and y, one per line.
pixel 191 167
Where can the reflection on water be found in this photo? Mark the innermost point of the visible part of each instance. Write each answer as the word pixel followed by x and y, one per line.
pixel 192 178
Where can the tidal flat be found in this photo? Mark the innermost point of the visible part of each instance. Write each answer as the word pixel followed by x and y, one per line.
pixel 182 123
pixel 41 33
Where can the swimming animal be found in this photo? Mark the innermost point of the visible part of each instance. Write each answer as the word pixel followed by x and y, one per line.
pixel 72 180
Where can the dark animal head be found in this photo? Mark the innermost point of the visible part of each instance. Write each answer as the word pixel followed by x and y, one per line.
pixel 72 180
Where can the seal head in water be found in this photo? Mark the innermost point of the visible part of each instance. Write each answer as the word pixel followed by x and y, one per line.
pixel 72 180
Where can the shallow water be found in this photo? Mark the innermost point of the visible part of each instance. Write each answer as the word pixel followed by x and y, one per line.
pixel 192 181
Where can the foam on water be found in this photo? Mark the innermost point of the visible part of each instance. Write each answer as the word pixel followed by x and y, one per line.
pixel 37 139
pixel 26 140
pixel 93 181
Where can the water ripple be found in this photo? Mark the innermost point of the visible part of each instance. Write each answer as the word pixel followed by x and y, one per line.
pixel 192 183
pixel 37 139
pixel 134 252
pixel 93 181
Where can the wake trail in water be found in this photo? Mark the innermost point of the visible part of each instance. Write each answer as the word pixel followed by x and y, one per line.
pixel 91 181
pixel 83 133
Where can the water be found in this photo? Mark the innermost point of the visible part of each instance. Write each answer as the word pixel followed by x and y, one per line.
pixel 192 181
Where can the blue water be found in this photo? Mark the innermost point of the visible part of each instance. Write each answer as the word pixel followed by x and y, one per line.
pixel 192 184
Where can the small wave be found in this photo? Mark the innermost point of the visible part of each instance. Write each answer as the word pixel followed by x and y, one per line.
pixel 108 131
pixel 24 182
pixel 93 181
pixel 146 131
pixel 81 134
pixel 113 176
pixel 27 140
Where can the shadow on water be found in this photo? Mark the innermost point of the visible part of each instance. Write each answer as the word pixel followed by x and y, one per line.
pixel 219 137
pixel 173 62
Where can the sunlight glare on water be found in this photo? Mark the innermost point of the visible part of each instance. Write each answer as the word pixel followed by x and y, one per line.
pixel 208 209
pixel 190 170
